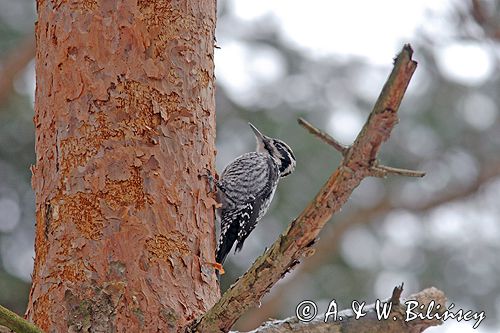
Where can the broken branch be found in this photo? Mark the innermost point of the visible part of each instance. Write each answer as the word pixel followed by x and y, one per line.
pixel 328 247
pixel 383 171
pixel 323 136
pixel 302 232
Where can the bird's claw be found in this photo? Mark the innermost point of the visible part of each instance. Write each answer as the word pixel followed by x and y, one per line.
pixel 218 267
pixel 212 182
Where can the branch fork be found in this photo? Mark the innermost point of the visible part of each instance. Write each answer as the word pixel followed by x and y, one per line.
pixel 376 169
pixel 359 161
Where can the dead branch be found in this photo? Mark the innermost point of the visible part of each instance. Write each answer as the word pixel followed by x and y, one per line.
pixel 382 171
pixel 324 136
pixel 327 247
pixel 296 241
pixel 330 240
pixel 369 323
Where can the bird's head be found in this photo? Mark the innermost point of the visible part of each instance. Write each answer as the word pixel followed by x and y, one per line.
pixel 277 149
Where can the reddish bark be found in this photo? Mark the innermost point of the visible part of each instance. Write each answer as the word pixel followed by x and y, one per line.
pixel 125 123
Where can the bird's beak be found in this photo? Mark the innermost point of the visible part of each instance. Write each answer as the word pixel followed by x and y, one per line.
pixel 258 134
pixel 261 138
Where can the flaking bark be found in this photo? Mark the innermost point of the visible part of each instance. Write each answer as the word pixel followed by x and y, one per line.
pixel 125 123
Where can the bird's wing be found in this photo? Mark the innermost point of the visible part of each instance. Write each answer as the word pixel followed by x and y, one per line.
pixel 250 176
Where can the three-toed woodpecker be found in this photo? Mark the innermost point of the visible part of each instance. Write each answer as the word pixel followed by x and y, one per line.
pixel 246 188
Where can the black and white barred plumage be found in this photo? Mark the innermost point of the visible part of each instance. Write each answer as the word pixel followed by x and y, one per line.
pixel 246 189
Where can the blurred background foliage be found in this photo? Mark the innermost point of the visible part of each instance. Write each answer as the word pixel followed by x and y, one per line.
pixel 442 230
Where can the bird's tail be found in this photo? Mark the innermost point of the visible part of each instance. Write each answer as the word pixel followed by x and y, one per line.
pixel 225 244
pixel 228 236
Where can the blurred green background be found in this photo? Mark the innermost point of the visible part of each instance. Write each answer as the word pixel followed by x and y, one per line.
pixel 326 61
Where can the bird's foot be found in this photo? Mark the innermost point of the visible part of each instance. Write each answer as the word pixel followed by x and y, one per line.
pixel 212 182
pixel 218 267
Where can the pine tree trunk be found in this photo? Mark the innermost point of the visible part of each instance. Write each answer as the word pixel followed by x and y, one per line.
pixel 125 124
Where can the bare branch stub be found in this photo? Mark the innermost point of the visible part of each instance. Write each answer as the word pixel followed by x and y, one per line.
pixel 325 137
pixel 396 294
pixel 383 171
pixel 376 170
pixel 293 243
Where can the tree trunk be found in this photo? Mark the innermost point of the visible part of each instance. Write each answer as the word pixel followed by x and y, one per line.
pixel 125 124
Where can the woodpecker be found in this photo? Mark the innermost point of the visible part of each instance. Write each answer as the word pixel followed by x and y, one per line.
pixel 246 189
